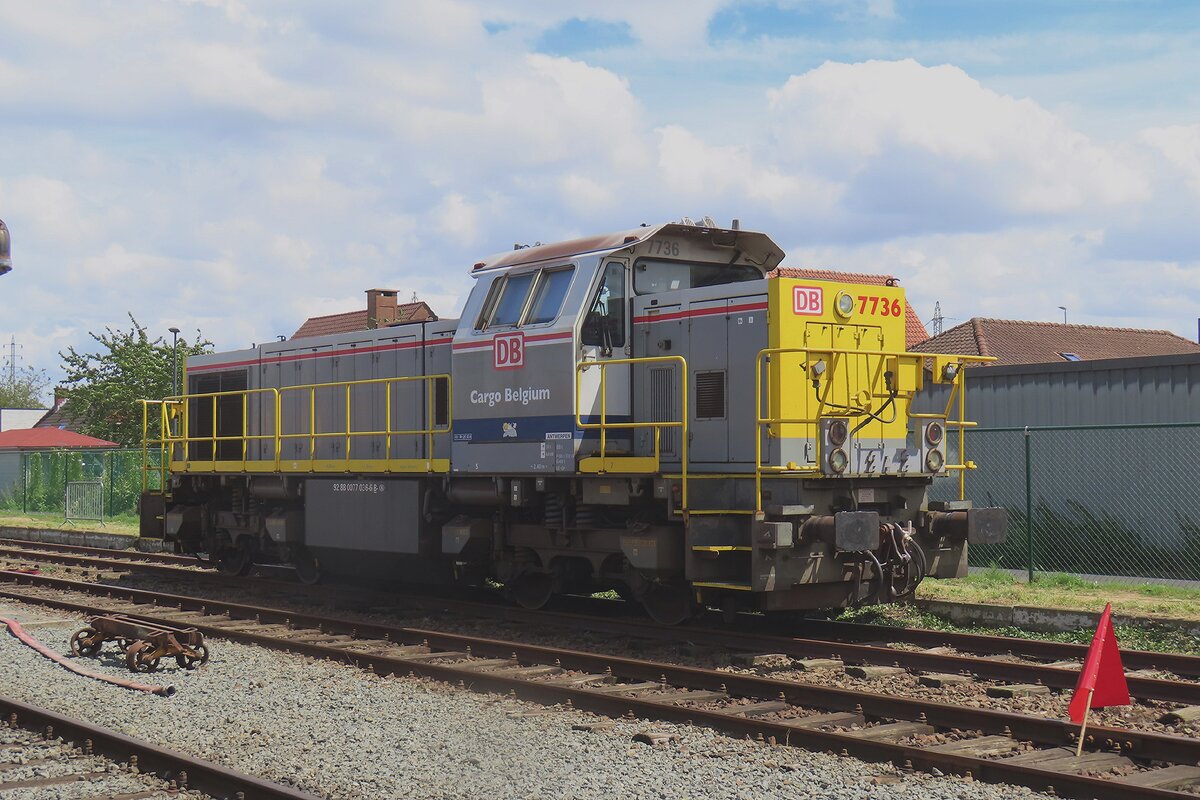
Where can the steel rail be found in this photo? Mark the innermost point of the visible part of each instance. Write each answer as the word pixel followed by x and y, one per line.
pixel 186 771
pixel 1183 692
pixel 103 552
pixel 766 642
pixel 115 561
pixel 1047 732
pixel 1178 663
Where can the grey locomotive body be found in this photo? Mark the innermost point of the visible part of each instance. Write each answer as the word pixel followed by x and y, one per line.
pixel 629 411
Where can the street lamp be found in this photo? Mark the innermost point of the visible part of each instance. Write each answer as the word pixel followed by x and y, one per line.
pixel 1064 310
pixel 174 361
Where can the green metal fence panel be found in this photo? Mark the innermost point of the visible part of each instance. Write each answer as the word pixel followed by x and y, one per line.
pixel 1110 500
pixel 46 474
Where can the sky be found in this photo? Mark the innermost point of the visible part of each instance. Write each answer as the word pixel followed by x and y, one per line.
pixel 235 167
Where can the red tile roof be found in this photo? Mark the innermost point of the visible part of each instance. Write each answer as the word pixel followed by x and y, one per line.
pixel 349 321
pixel 1019 342
pixel 47 438
pixel 914 329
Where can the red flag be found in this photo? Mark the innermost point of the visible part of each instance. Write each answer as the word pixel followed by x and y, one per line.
pixel 1102 674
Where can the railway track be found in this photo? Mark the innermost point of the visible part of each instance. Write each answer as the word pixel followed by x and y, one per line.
pixel 41 749
pixel 910 732
pixel 943 653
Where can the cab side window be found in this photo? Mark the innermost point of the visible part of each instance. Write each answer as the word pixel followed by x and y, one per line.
pixel 604 325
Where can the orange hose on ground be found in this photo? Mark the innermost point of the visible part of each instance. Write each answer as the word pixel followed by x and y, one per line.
pixel 19 631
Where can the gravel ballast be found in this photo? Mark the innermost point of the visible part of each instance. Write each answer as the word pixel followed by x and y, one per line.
pixel 340 732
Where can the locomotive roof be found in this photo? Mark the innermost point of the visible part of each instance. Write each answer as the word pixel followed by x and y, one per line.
pixel 758 248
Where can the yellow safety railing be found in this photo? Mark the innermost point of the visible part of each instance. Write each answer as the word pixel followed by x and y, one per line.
pixel 178 447
pixel 181 448
pixel 773 423
pixel 958 391
pixel 160 443
pixel 638 464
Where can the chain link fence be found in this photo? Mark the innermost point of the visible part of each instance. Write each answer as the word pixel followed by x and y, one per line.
pixel 1104 500
pixel 32 482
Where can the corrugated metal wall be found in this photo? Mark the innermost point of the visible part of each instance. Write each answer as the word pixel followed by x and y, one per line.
pixel 1109 392
pixel 1117 500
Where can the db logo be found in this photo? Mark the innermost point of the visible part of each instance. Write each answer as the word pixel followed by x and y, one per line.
pixel 808 301
pixel 508 351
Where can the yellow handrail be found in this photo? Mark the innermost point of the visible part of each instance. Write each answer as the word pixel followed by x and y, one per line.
pixel 958 390
pixel 277 436
pixel 657 426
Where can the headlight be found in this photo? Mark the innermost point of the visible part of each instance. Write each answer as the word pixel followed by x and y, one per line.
pixel 837 461
pixel 934 461
pixel 934 434
pixel 949 371
pixel 844 304
pixel 838 433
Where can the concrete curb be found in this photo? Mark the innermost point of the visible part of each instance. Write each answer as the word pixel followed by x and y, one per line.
pixel 1045 620
pixel 85 538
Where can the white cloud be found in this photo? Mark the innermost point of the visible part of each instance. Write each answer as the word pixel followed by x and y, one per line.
pixel 1180 145
pixel 225 75
pixel 457 218
pixel 239 167
pixel 946 137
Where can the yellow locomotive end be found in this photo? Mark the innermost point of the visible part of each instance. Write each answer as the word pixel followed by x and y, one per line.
pixel 840 382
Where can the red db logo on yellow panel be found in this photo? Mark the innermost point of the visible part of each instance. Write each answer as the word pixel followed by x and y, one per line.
pixel 508 351
pixel 808 301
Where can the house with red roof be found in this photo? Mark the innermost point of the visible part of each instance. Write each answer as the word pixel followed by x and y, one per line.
pixel 1012 341
pixel 49 439
pixel 16 446
pixel 382 310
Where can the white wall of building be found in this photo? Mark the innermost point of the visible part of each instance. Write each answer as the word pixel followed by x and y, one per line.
pixel 17 419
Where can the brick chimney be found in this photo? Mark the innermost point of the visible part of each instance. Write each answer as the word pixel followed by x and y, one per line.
pixel 381 307
pixel 60 394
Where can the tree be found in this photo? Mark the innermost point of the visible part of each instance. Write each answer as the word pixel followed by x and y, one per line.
pixel 104 388
pixel 23 387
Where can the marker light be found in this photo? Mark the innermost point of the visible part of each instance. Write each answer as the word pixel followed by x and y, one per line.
pixel 844 305
pixel 934 461
pixel 934 433
pixel 838 461
pixel 838 433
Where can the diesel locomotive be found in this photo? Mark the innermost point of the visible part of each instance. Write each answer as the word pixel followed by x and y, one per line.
pixel 659 411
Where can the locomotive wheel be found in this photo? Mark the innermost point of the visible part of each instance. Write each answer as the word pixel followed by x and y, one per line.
pixel 668 604
pixel 83 644
pixel 136 657
pixel 533 591
pixel 191 662
pixel 308 567
pixel 235 561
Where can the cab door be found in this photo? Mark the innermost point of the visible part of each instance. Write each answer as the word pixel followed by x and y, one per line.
pixel 604 336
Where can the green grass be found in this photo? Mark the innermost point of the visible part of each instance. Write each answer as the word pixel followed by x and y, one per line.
pixel 1160 638
pixel 994 586
pixel 124 524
